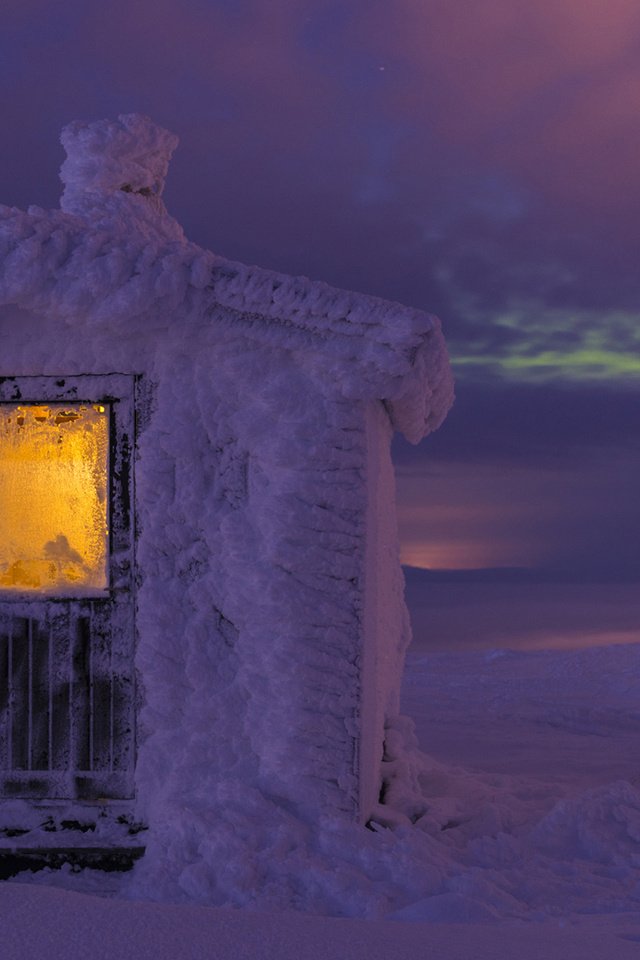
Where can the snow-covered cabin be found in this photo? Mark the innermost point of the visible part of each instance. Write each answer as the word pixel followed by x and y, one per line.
pixel 201 602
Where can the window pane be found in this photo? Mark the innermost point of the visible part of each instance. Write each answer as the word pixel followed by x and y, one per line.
pixel 53 499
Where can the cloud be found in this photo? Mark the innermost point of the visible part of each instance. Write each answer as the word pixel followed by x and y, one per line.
pixel 532 342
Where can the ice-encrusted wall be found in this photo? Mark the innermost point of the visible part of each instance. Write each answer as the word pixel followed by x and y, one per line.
pixel 270 617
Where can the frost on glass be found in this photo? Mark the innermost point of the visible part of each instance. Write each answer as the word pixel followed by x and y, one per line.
pixel 53 499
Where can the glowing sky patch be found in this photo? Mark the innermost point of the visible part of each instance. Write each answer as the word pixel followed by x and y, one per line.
pixel 569 513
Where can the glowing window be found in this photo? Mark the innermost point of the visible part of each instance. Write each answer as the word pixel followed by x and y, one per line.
pixel 54 467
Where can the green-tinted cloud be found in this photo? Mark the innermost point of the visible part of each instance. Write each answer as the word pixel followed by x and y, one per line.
pixel 532 343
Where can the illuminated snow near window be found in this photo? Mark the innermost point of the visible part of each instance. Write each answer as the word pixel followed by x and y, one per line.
pixel 53 499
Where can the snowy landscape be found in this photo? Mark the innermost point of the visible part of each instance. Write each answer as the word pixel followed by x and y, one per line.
pixel 247 709
pixel 527 844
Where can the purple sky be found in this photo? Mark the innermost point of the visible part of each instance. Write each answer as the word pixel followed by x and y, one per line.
pixel 479 160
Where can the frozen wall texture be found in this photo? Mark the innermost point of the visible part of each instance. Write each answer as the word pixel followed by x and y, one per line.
pixel 271 621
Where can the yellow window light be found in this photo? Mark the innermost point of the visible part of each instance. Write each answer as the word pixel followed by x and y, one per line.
pixel 54 467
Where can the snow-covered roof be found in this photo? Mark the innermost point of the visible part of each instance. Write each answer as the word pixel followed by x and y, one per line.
pixel 113 255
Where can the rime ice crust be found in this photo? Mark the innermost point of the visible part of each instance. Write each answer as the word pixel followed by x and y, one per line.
pixel 270 593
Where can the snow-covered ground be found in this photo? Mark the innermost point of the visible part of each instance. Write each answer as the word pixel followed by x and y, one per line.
pixel 50 924
pixel 527 843
pixel 534 782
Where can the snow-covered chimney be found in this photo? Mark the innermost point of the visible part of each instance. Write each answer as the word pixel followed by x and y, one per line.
pixel 108 160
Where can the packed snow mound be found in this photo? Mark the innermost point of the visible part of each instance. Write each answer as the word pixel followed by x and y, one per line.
pixel 130 154
pixel 531 791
